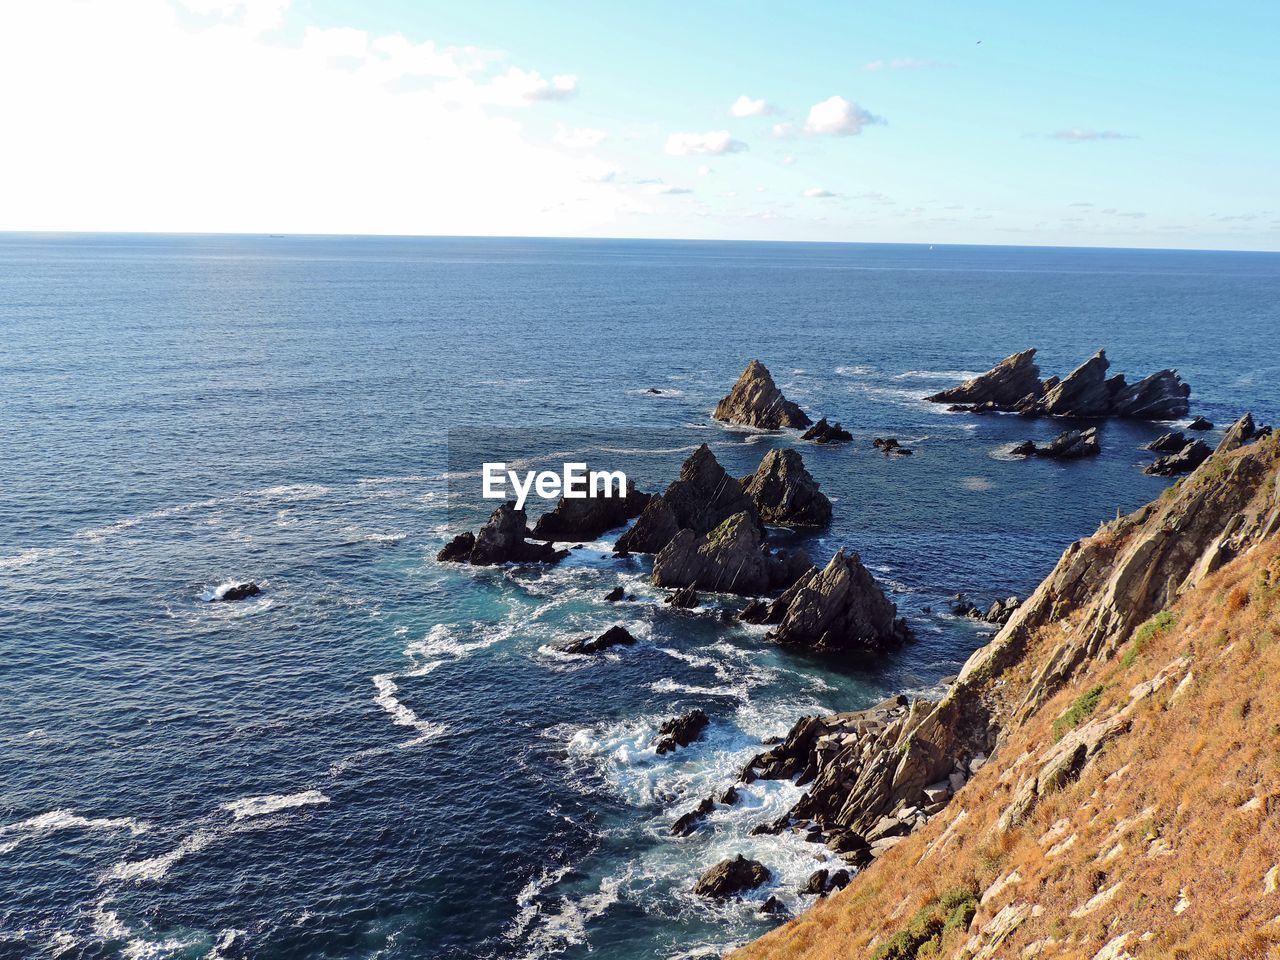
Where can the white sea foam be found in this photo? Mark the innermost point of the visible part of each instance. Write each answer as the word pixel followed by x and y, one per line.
pixel 937 375
pixel 854 371
pixel 15 834
pixel 154 868
pixel 402 715
pixel 566 925
pixel 25 558
pixel 264 805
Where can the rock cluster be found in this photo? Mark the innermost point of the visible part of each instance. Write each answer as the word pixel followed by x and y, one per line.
pixel 731 876
pixel 824 432
pixel 839 608
pixel 586 518
pixel 1190 455
pixel 232 592
pixel 998 613
pixel 501 540
pixel 700 499
pixel 756 401
pixel 1014 385
pixel 612 637
pixel 681 731
pixel 732 558
pixel 785 493
pixel 1071 445
pixel 890 446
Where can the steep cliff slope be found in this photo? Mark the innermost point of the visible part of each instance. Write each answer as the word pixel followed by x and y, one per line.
pixel 1123 734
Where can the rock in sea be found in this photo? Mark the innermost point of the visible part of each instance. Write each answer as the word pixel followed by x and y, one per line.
pixel 785 493
pixel 838 608
pixel 231 592
pixel 610 638
pixel 500 540
pixel 731 876
pixel 1004 385
pixel 756 401
pixel 586 518
pixel 824 432
pixel 732 558
pixel 681 731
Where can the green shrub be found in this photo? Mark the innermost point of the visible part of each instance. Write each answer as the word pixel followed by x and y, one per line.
pixel 1075 714
pixel 1157 626
pixel 925 932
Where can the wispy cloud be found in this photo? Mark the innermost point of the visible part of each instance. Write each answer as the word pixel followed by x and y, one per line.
pixel 744 106
pixel 668 189
pixel 716 143
pixel 1081 135
pixel 904 63
pixel 817 192
pixel 838 117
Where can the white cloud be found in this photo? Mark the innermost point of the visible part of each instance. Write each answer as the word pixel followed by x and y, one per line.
pixel 784 130
pixel 667 189
pixel 838 117
pixel 903 63
pixel 715 143
pixel 595 170
pixel 1078 135
pixel 578 138
pixel 817 192
pixel 254 16
pixel 788 161
pixel 744 106
pixel 198 124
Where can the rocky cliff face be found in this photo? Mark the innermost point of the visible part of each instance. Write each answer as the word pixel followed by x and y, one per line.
pixel 732 558
pixel 756 401
pixel 501 540
pixel 1004 385
pixel 1071 724
pixel 587 518
pixel 785 493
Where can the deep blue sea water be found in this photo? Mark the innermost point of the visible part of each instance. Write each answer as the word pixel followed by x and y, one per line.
pixel 384 757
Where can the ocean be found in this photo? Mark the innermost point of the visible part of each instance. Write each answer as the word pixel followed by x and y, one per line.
pixel 382 756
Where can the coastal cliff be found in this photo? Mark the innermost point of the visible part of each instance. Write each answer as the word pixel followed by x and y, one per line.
pixel 1099 781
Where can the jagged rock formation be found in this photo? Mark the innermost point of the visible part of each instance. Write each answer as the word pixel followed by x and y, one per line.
pixel 1199 423
pixel 1004 385
pixel 586 518
pixel 1237 435
pixel 1186 459
pixel 500 540
pixel 1014 385
pixel 785 493
pixel 612 637
pixel 686 598
pixel 824 432
pixel 839 608
pixel 700 499
pixel 731 876
pixel 1071 445
pixel 688 822
pixel 1168 442
pixel 732 558
pixel 1118 734
pixel 756 401
pixel 681 731
pixel 890 446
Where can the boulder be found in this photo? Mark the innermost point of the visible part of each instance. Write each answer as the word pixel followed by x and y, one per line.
pixel 586 518
pixel 784 492
pixel 1161 396
pixel 610 638
pixel 885 444
pixel 840 607
pixel 839 880
pixel 1199 423
pixel 1004 385
pixel 1168 442
pixel 1237 435
pixel 816 885
pixel 687 823
pixel 824 432
pixel 773 907
pixel 1085 392
pixel 729 796
pixel 1184 461
pixel 1027 448
pixel 1072 445
pixel 701 498
pixel 755 401
pixel 501 540
pixel 731 876
pixel 732 558
pixel 615 595
pixel 757 611
pixel 232 592
pixel 681 731
pixel 686 598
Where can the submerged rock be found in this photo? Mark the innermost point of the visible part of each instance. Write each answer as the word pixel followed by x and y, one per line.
pixel 824 432
pixel 784 492
pixel 838 608
pixel 681 731
pixel 700 499
pixel 1184 461
pixel 233 592
pixel 756 401
pixel 1027 448
pixel 731 876
pixel 586 518
pixel 500 540
pixel 732 558
pixel 1004 385
pixel 612 637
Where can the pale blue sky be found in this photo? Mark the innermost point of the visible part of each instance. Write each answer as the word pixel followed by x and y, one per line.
pixel 1135 124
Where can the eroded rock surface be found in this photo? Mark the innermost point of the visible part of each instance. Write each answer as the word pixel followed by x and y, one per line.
pixel 732 558
pixel 824 432
pixel 731 876
pixel 1005 385
pixel 501 540
pixel 785 493
pixel 681 731
pixel 838 608
pixel 586 518
pixel 612 637
pixel 756 401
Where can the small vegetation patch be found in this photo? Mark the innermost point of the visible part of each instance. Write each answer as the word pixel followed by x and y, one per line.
pixel 925 932
pixel 1075 714
pixel 1157 626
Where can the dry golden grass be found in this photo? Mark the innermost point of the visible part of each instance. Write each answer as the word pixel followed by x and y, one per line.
pixel 1179 817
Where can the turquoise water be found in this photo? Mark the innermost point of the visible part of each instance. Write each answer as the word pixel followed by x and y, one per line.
pixel 384 757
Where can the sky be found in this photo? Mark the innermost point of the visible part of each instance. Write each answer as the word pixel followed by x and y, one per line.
pixel 1136 124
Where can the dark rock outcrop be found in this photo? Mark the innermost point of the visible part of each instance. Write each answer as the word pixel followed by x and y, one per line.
pixel 586 518
pixel 686 598
pixel 700 499
pixel 500 540
pixel 1084 392
pixel 785 493
pixel 838 608
pixel 687 823
pixel 1004 385
pixel 756 401
pixel 1237 435
pixel 1071 445
pixel 816 885
pixel 757 611
pixel 824 432
pixel 1199 423
pixel 233 592
pixel 1184 461
pixel 1168 442
pixel 732 558
pixel 612 637
pixel 773 907
pixel 731 876
pixel 681 731
pixel 1027 448
pixel 615 595
pixel 1161 396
